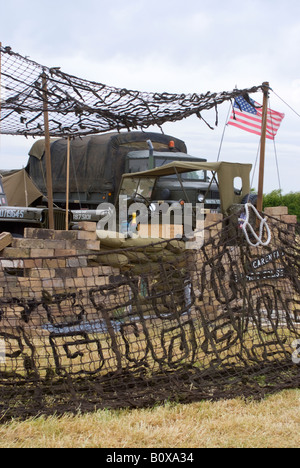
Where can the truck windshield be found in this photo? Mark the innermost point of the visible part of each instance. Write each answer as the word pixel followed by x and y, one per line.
pixel 194 175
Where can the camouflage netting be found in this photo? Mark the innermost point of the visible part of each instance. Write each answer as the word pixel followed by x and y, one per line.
pixel 133 325
pixel 81 107
pixel 139 325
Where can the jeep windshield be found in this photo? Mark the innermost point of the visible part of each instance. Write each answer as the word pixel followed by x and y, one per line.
pixel 136 186
pixel 194 175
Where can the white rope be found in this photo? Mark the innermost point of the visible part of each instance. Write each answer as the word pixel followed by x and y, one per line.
pixel 244 224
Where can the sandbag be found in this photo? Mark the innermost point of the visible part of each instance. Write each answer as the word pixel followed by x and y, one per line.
pixel 163 255
pixel 176 246
pixel 114 260
pixel 111 239
pixel 147 245
pixel 136 257
pixel 146 268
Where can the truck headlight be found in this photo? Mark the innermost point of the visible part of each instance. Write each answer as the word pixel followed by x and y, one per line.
pixel 200 198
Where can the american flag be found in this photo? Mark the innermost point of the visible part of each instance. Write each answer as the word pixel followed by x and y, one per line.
pixel 248 116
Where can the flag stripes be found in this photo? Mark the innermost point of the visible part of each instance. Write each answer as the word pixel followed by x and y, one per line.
pixel 248 116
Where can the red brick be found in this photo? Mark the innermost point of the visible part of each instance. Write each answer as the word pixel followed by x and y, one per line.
pixel 36 233
pixel 87 271
pixel 64 252
pixel 108 271
pixel 16 252
pixel 87 235
pixel 65 272
pixel 33 263
pixel 53 283
pixel 290 219
pixel 54 263
pixel 80 282
pixel 84 244
pixel 276 210
pixel 76 262
pixel 34 284
pixel 87 226
pixel 7 263
pixel 39 244
pixel 41 273
pixel 42 253
pixel 214 217
pixel 65 235
pixel 5 239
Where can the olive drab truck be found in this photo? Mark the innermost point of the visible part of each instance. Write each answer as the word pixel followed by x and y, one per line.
pixel 98 162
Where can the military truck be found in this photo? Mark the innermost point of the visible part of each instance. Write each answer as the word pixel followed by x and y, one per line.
pixel 97 164
pixel 21 205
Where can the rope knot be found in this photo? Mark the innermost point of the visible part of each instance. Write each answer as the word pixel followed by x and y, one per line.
pixel 245 224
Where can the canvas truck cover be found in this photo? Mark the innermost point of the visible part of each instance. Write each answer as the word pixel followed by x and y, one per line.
pixel 96 162
pixel 19 188
pixel 226 174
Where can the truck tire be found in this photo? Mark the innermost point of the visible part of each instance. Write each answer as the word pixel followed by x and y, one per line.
pixel 250 198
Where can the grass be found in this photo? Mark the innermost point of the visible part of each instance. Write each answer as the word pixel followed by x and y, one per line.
pixel 270 423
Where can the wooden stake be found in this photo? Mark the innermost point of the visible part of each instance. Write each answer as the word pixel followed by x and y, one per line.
pixel 262 147
pixel 68 184
pixel 48 154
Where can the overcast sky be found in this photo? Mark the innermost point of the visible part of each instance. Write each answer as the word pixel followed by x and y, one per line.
pixel 174 46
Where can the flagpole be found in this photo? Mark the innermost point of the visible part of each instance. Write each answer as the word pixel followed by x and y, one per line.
pixel 265 88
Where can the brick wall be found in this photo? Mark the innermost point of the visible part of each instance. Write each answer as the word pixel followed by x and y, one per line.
pixel 52 260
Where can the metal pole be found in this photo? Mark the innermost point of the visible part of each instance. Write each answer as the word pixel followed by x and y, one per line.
pixel 262 147
pixel 48 154
pixel 68 184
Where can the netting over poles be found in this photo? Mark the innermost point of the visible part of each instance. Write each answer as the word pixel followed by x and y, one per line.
pixel 136 326
pixel 79 107
pixel 81 330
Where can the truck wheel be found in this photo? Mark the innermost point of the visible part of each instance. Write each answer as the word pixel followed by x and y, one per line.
pixel 250 198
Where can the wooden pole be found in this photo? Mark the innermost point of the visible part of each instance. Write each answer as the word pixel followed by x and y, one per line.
pixel 262 147
pixel 68 184
pixel 0 84
pixel 48 154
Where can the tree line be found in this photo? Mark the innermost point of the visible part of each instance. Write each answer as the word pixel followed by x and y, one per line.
pixel 291 200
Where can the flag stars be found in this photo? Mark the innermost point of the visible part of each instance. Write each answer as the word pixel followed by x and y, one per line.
pixel 242 104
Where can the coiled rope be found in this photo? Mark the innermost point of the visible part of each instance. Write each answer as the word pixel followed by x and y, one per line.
pixel 245 224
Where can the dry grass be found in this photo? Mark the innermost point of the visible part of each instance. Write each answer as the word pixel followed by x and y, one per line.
pixel 271 423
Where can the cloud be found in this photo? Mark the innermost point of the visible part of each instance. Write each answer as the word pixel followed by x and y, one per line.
pixel 169 46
